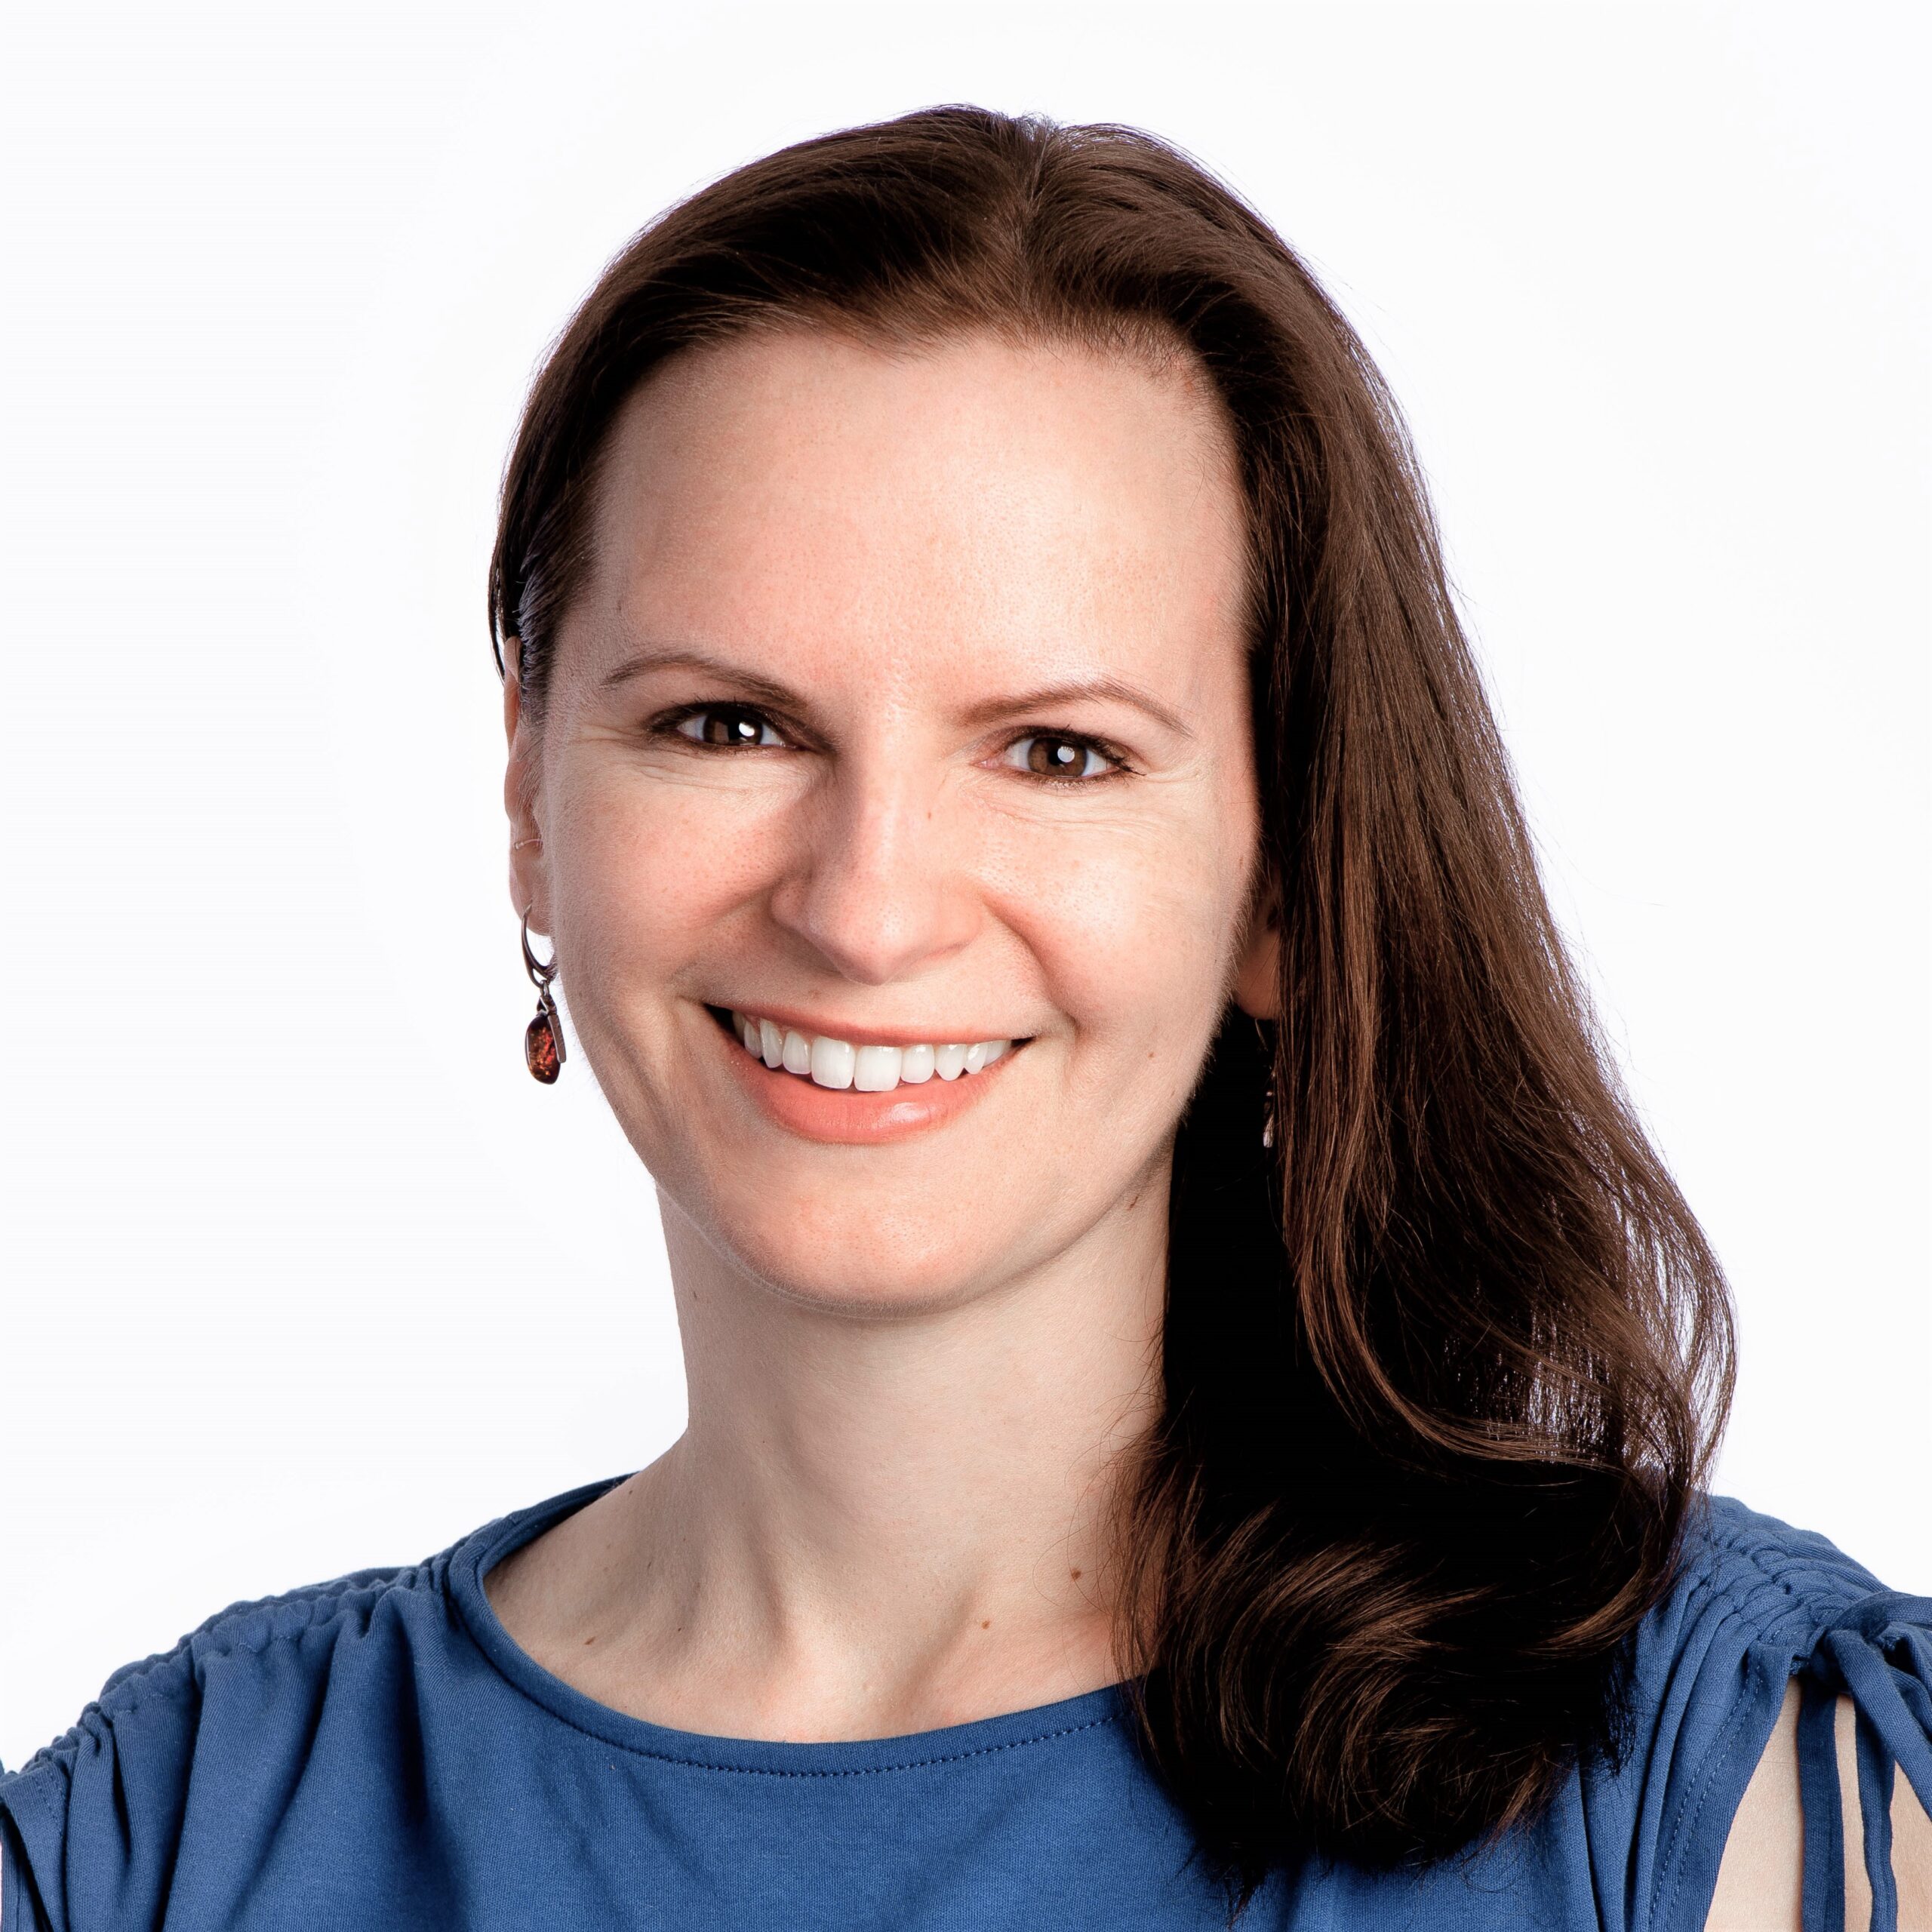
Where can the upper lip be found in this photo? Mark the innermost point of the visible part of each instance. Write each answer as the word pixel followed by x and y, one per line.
pixel 794 1020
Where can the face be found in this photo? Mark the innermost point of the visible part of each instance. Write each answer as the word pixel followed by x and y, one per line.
pixel 905 715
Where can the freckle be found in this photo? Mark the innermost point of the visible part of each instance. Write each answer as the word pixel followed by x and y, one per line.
pixel 988 1625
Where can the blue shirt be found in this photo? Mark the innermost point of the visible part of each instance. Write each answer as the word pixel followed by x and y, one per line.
pixel 376 1752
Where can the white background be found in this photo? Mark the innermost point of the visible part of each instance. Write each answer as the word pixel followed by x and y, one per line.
pixel 303 1273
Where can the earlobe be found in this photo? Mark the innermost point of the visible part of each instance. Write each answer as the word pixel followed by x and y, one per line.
pixel 529 883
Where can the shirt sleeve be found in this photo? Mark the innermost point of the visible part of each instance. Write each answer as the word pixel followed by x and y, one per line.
pixel 91 1824
pixel 1759 1604
pixel 1878 1653
pixel 171 1788
pixel 19 1910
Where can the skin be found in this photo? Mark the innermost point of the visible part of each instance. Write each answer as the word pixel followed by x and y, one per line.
pixel 913 1365
pixel 1761 1882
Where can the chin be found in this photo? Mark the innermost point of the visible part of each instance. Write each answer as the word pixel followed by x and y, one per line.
pixel 864 1257
pixel 872 1272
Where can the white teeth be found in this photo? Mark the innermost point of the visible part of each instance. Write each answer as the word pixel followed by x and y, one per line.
pixel 838 1064
pixel 831 1062
pixel 876 1069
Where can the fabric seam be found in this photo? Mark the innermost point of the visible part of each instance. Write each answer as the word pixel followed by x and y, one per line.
pixel 1686 1832
pixel 777 1771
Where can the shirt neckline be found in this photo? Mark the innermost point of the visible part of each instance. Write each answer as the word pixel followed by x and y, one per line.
pixel 472 1558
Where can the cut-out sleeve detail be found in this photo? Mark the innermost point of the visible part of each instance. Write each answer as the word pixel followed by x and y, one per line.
pixel 1758 1604
pixel 1878 1652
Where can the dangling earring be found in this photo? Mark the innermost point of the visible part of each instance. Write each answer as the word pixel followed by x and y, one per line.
pixel 543 1038
pixel 1268 1117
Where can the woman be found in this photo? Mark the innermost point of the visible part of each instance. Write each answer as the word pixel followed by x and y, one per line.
pixel 1198 1384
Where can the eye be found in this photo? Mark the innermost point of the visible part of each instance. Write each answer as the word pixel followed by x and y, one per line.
pixel 737 725
pixel 1058 754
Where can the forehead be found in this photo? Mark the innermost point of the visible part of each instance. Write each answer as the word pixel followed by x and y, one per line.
pixel 951 507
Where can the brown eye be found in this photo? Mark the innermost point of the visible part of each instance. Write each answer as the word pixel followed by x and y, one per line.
pixel 1047 755
pixel 735 725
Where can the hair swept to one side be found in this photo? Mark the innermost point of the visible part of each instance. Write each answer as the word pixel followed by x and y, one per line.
pixel 1443 1373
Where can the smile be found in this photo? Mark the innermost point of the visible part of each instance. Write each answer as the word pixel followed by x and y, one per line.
pixel 840 1064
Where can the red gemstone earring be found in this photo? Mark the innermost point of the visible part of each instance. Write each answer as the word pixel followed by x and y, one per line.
pixel 543 1038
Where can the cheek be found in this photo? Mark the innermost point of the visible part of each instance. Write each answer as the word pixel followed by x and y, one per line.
pixel 1134 933
pixel 643 871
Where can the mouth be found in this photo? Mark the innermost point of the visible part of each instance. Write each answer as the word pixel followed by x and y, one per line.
pixel 859 1066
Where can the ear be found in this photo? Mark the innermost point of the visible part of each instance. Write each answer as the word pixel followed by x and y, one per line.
pixel 529 873
pixel 1257 984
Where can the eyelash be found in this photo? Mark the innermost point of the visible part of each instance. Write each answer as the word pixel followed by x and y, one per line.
pixel 673 724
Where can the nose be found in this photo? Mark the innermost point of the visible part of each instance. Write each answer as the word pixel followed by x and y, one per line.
pixel 871 887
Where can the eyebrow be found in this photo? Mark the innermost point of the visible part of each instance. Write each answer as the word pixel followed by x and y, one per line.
pixel 1105 688
pixel 640 662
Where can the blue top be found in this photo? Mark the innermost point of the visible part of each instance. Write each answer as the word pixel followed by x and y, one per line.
pixel 376 1752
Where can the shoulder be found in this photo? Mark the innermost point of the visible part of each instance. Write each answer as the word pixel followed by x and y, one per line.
pixel 276 1734
pixel 224 1721
pixel 239 1650
pixel 1755 1601
pixel 1760 1577
pixel 1758 1608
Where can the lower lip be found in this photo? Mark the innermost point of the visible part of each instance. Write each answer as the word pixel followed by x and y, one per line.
pixel 847 1117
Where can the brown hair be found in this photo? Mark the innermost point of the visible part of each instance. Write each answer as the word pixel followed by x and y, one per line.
pixel 1443 1372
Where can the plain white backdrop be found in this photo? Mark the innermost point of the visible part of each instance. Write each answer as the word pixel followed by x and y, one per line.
pixel 302 1273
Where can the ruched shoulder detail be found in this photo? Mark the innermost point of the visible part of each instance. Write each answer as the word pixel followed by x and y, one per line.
pixel 1758 1603
pixel 93 1823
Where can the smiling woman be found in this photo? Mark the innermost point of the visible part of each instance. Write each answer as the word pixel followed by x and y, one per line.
pixel 841 600
pixel 1199 1385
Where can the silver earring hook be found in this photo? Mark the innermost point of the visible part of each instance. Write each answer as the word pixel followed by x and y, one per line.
pixel 541 972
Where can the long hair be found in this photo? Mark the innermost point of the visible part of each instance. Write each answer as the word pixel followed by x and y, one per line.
pixel 1444 1367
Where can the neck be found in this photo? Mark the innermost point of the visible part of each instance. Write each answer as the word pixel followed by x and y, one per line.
pixel 875 1523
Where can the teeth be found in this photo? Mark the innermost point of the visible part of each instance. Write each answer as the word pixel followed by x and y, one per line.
pixel 876 1069
pixel 839 1065
pixel 831 1062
